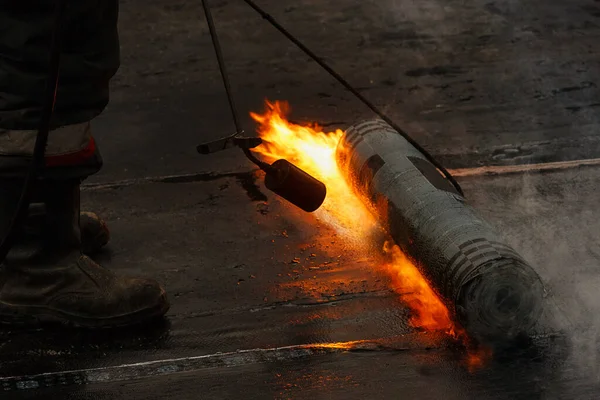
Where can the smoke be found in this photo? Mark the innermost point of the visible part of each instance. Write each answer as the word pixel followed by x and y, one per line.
pixel 553 220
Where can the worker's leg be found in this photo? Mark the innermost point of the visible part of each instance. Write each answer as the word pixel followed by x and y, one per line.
pixel 90 57
pixel 94 230
pixel 51 280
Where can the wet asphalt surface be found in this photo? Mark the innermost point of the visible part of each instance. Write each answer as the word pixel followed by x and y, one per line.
pixel 476 82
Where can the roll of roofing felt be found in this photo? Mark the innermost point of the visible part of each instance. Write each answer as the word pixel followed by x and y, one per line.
pixel 489 288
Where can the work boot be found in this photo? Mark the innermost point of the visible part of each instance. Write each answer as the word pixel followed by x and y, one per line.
pixel 54 282
pixel 94 231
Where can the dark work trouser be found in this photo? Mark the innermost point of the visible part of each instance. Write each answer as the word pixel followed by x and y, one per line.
pixel 89 59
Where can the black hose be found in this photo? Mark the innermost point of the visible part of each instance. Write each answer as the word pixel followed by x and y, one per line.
pixel 355 92
pixel 225 76
pixel 38 158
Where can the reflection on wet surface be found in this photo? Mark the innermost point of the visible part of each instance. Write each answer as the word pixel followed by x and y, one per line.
pixel 344 333
pixel 422 350
pixel 328 325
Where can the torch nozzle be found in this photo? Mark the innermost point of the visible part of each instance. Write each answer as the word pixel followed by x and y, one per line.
pixel 295 185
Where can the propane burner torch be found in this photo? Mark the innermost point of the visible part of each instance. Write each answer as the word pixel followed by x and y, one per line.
pixel 283 177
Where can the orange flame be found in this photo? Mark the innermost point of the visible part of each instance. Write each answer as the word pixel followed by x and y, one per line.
pixel 478 358
pixel 313 150
pixel 429 311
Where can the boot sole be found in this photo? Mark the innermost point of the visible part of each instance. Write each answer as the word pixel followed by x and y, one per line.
pixel 28 316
